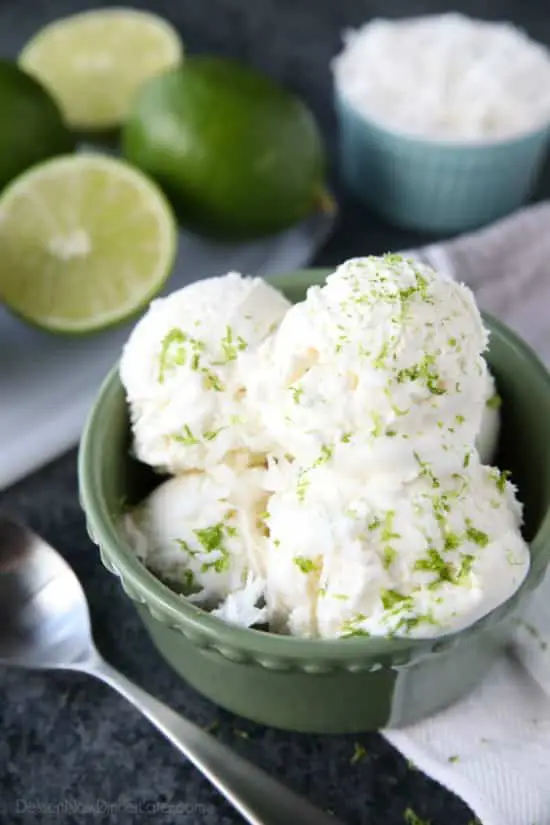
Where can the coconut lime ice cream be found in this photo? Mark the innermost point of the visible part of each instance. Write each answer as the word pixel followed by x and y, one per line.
pixel 202 533
pixel 181 371
pixel 382 367
pixel 419 559
pixel 347 490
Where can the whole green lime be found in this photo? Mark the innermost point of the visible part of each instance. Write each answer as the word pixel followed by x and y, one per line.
pixel 32 128
pixel 238 155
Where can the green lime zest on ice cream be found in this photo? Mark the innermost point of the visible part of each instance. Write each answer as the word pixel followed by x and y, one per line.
pixel 424 372
pixel 350 627
pixel 380 361
pixel 231 345
pixel 476 536
pixel 500 478
pixel 302 485
pixel 378 427
pixel 189 580
pixel 389 555
pixel 466 563
pixel 452 541
pixel 392 598
pixel 325 456
pixel 387 531
pixel 494 402
pixel 434 563
pixel 212 540
pixel 176 348
pixel 426 470
pixel 211 380
pixel 175 336
pixel 306 565
pixel 409 623
pixel 186 437
pixel 174 352
pixel 210 435
pixel 387 535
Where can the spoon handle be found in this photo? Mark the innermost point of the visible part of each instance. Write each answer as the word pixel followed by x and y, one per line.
pixel 257 797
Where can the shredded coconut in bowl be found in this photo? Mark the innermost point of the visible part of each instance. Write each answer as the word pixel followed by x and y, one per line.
pixel 446 76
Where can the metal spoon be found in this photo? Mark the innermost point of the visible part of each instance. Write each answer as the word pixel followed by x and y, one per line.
pixel 45 623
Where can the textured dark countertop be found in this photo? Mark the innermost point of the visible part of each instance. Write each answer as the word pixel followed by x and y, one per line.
pixel 71 751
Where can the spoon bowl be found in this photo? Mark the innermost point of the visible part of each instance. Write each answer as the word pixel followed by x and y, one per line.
pixel 44 617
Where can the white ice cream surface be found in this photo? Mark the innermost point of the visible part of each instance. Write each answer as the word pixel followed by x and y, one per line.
pixel 380 369
pixel 421 559
pixel 202 534
pixel 180 370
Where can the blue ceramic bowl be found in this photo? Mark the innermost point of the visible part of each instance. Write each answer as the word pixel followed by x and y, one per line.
pixel 438 186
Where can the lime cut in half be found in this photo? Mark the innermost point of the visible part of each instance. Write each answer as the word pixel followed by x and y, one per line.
pixel 94 62
pixel 86 242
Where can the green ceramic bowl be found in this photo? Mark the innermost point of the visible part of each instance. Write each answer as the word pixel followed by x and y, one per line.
pixel 321 686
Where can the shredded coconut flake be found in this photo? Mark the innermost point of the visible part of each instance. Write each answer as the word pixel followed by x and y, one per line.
pixel 446 76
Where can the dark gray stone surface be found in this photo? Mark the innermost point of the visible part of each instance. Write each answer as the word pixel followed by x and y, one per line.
pixel 71 751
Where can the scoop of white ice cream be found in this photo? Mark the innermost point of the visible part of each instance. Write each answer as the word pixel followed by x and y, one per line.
pixel 180 370
pixel 382 368
pixel 202 533
pixel 380 558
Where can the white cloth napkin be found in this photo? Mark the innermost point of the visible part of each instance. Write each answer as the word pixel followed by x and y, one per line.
pixel 493 748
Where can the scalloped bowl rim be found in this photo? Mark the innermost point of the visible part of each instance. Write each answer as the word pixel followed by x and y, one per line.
pixel 181 614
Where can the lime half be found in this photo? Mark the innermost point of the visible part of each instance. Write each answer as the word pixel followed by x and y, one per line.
pixel 86 242
pixel 94 62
